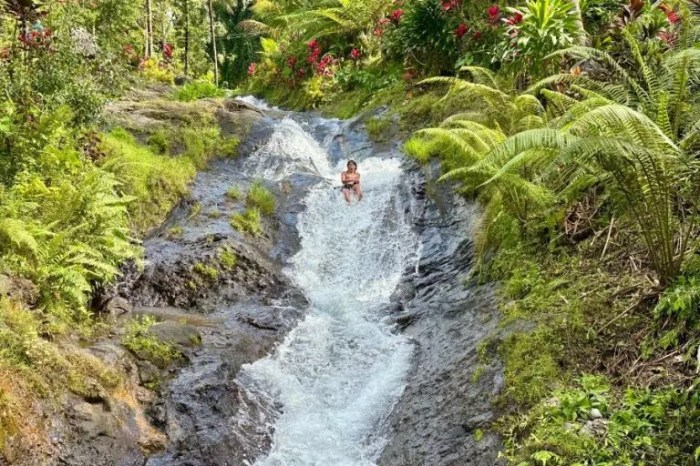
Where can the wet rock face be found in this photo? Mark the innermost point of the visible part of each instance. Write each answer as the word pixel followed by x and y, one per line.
pixel 222 300
pixel 242 310
pixel 447 399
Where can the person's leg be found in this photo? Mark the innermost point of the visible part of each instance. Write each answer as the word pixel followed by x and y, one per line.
pixel 358 191
pixel 346 193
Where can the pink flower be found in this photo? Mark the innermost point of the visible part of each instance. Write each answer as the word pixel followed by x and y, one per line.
pixel 461 30
pixel 673 17
pixel 292 61
pixel 378 32
pixel 494 13
pixel 252 68
pixel 383 21
pixel 396 15
pixel 355 54
pixel 312 44
pixel 448 5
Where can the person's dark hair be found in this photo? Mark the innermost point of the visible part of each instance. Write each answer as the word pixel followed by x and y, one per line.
pixel 352 162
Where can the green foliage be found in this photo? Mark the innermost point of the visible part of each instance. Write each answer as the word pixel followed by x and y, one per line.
pixel 234 193
pixel 158 182
pixel 261 199
pixel 546 26
pixel 426 34
pixel 227 258
pixel 160 142
pixel 247 222
pixel 637 427
pixel 228 147
pixel 377 128
pixel 206 271
pixel 587 140
pixel 145 345
pixel 196 90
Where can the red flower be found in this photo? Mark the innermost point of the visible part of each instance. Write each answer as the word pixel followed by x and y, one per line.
pixel 673 17
pixel 396 15
pixel 292 61
pixel 355 54
pixel 168 51
pixel 252 68
pixel 476 35
pixel 494 13
pixel 461 30
pixel 312 44
pixel 448 5
pixel 379 32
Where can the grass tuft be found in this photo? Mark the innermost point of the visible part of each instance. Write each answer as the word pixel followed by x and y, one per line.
pixel 145 345
pixel 261 198
pixel 247 222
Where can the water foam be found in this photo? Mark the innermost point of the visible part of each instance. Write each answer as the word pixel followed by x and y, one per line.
pixel 338 374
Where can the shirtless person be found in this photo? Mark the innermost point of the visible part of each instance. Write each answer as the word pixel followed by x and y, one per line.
pixel 351 182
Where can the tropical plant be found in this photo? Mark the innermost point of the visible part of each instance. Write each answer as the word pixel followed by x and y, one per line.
pixel 635 136
pixel 536 30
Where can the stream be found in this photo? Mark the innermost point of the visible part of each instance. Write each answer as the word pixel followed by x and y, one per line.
pixel 338 373
pixel 345 335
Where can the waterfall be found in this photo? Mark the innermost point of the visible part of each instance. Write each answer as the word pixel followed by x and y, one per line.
pixel 337 375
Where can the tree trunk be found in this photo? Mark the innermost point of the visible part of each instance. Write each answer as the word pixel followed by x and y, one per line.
pixel 582 35
pixel 149 29
pixel 187 37
pixel 213 42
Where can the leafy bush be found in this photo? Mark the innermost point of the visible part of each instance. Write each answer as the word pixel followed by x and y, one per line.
pixel 158 182
pixel 261 199
pixel 228 147
pixel 196 90
pixel 155 71
pixel 247 222
pixel 589 424
pixel 536 30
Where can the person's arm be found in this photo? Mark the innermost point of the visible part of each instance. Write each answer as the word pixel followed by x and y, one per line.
pixel 342 177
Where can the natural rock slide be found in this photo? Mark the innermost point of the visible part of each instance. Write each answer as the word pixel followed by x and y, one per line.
pixel 344 335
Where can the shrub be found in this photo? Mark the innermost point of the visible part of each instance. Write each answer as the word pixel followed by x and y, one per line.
pixel 234 193
pixel 157 182
pixel 543 27
pixel 152 70
pixel 247 222
pixel 228 147
pixel 196 90
pixel 261 199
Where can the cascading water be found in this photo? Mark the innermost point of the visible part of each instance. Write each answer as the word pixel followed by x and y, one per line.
pixel 338 374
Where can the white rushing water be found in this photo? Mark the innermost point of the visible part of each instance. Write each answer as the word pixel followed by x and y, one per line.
pixel 338 374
